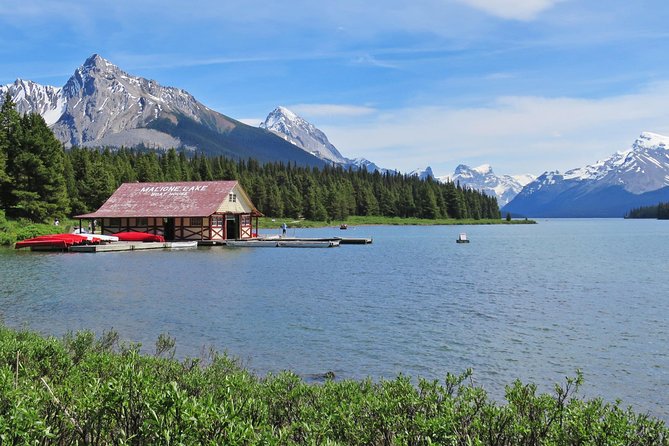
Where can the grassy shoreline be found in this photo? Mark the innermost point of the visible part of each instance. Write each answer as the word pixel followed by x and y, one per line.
pixel 88 390
pixel 273 223
pixel 12 231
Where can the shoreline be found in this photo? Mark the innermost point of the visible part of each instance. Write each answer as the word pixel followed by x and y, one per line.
pixel 273 223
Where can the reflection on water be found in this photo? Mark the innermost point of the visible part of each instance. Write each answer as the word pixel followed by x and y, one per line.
pixel 530 302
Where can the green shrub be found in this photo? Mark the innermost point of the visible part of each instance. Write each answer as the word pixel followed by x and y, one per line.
pixel 88 390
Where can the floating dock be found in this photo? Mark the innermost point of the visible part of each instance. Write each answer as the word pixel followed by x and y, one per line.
pixel 296 242
pixel 132 246
pixel 283 243
pixel 260 242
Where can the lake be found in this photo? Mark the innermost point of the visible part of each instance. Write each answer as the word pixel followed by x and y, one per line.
pixel 534 302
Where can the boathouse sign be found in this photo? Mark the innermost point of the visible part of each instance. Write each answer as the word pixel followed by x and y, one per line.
pixel 171 191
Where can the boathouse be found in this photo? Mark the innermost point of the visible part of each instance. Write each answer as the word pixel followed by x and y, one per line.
pixel 199 210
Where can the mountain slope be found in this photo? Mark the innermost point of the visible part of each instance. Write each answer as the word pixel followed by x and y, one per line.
pixel 102 105
pixel 636 177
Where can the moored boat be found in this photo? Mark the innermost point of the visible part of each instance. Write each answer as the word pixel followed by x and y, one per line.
pixel 462 238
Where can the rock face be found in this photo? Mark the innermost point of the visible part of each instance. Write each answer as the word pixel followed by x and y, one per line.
pixel 102 105
pixel 297 130
pixel 103 100
pixel 482 178
pixel 612 187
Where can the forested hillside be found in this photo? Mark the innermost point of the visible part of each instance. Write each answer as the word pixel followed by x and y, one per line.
pixel 276 189
pixel 40 181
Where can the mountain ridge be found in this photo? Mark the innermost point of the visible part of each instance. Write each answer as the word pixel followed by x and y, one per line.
pixel 102 105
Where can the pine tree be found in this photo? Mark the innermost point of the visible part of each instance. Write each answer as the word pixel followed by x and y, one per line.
pixel 37 174
pixel 10 133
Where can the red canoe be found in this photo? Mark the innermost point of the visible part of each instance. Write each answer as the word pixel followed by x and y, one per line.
pixel 56 241
pixel 139 237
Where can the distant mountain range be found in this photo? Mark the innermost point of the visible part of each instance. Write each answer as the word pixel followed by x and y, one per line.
pixel 482 178
pixel 298 131
pixel 612 187
pixel 101 105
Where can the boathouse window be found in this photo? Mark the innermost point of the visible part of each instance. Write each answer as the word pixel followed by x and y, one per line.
pixel 115 222
pixel 246 220
pixel 142 221
pixel 217 220
pixel 232 198
pixel 196 221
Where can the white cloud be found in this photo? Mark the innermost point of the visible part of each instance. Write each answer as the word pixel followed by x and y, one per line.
pixel 512 9
pixel 331 110
pixel 514 134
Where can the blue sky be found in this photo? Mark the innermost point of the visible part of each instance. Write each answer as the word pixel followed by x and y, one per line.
pixel 524 85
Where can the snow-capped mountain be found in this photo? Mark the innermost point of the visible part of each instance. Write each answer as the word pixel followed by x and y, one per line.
pixel 102 105
pixel 423 174
pixel 482 178
pixel 300 132
pixel 635 177
pixel 362 163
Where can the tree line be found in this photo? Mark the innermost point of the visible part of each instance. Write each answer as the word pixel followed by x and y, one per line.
pixel 659 211
pixel 41 181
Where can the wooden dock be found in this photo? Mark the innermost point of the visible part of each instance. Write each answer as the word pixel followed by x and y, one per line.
pixel 282 243
pixel 261 242
pixel 132 246
pixel 354 241
pixel 297 242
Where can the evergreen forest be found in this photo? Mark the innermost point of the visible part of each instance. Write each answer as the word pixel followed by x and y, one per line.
pixel 660 211
pixel 40 181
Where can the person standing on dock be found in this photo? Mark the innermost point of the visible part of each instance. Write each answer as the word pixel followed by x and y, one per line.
pixel 284 226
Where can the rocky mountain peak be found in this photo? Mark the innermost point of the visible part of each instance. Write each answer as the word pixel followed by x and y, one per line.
pixel 303 134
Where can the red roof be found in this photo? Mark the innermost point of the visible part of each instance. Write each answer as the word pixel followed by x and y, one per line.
pixel 182 199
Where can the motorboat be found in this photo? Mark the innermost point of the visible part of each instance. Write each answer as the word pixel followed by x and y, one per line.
pixel 462 238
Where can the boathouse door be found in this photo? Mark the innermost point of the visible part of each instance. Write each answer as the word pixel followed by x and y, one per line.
pixel 231 227
pixel 169 228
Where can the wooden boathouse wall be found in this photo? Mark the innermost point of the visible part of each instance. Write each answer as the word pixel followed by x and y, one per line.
pixel 208 210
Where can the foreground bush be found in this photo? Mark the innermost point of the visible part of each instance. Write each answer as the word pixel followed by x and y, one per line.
pixel 89 391
pixel 12 231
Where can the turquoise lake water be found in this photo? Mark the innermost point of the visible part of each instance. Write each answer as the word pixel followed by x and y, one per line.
pixel 533 302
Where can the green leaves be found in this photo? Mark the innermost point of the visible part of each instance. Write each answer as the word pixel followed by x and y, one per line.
pixel 88 390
